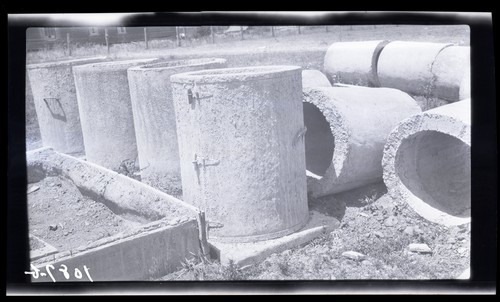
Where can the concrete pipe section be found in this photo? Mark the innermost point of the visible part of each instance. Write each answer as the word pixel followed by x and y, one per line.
pixel 106 112
pixel 314 78
pixel 354 62
pixel 449 68
pixel 427 163
pixel 53 89
pixel 154 119
pixel 241 144
pixel 464 92
pixel 346 132
pixel 408 66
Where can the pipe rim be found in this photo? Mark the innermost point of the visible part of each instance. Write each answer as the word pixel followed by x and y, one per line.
pixel 178 64
pixel 66 63
pixel 396 188
pixel 241 74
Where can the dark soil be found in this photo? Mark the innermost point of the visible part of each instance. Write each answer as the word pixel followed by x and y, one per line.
pixel 60 215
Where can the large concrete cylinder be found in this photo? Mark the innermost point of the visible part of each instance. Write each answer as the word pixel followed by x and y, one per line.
pixel 106 112
pixel 354 62
pixel 449 68
pixel 427 163
pixel 408 66
pixel 464 92
pixel 240 133
pixel 53 88
pixel 154 120
pixel 346 131
pixel 314 78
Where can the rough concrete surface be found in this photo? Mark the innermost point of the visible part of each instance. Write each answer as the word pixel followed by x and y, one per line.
pixel 449 68
pixel 53 89
pixel 314 78
pixel 248 253
pixel 154 119
pixel 354 62
pixel 408 66
pixel 148 251
pixel 347 129
pixel 106 112
pixel 464 92
pixel 240 134
pixel 427 163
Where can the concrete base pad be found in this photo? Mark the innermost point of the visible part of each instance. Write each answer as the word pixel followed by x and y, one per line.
pixel 242 254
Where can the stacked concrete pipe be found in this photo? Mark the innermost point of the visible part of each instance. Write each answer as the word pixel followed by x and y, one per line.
pixel 53 89
pixel 408 66
pixel 347 129
pixel 154 119
pixel 354 62
pixel 240 134
pixel 451 65
pixel 106 112
pixel 427 163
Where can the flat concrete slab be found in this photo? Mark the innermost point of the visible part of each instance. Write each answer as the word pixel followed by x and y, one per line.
pixel 247 253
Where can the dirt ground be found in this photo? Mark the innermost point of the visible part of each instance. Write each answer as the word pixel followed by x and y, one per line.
pixel 371 224
pixel 60 215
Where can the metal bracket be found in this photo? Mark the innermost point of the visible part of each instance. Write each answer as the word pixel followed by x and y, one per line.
pixel 195 96
pixel 202 161
pixel 300 135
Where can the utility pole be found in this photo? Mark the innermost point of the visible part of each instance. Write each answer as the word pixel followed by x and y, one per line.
pixel 146 37
pixel 212 34
pixel 68 43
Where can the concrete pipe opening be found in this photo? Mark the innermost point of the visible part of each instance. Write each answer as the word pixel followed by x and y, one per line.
pixel 319 141
pixel 427 163
pixel 437 170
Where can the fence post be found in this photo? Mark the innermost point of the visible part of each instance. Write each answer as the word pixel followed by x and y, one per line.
pixel 177 36
pixel 326 28
pixel 212 34
pixel 299 30
pixel 272 31
pixel 68 41
pixel 241 31
pixel 106 36
pixel 146 37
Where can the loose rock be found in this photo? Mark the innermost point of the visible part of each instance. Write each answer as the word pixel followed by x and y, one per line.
pixel 420 248
pixel 353 255
pixel 53 227
pixel 391 221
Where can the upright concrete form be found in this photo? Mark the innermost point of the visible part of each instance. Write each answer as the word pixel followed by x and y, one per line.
pixel 427 163
pixel 106 112
pixel 449 68
pixel 53 89
pixel 408 66
pixel 354 62
pixel 347 128
pixel 314 78
pixel 154 119
pixel 240 134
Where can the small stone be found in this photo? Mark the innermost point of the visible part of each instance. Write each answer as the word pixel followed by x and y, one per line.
pixel 391 221
pixel 66 233
pixel 461 237
pixel 409 231
pixel 366 262
pixel 87 223
pixel 450 241
pixel 367 235
pixel 353 255
pixel 33 189
pixel 461 250
pixel 420 248
pixel 363 214
pixel 378 234
pixel 174 221
pixel 51 184
pixel 53 227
